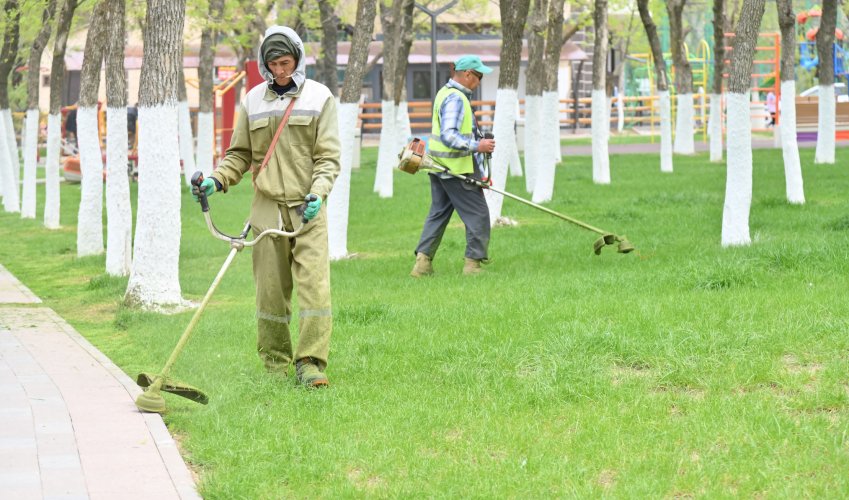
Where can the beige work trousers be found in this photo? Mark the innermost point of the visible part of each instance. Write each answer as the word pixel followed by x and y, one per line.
pixel 281 264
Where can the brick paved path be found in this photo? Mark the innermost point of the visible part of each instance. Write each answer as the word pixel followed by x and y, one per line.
pixel 69 427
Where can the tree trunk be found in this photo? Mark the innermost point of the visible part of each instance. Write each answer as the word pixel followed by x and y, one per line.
pixel 406 35
pixel 31 134
pixel 119 217
pixel 54 119
pixel 10 164
pixel 154 280
pixel 549 155
pixel 338 201
pixel 187 139
pixel 206 97
pixel 391 21
pixel 738 185
pixel 684 124
pixel 90 218
pixel 329 35
pixel 600 103
pixel 534 84
pixel 662 82
pixel 715 123
pixel 825 74
pixel 787 106
pixel 514 14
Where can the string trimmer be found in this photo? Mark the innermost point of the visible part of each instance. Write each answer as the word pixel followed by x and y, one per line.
pixel 151 400
pixel 414 158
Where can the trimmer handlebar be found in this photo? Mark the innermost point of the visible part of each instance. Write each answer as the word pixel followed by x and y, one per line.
pixel 240 241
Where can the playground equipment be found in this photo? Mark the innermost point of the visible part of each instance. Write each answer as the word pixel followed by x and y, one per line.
pixel 700 64
pixel 808 57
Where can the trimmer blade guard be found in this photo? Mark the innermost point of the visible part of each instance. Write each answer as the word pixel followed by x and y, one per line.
pixel 607 239
pixel 174 387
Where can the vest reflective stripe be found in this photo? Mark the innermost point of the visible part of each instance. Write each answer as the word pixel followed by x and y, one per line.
pixel 457 160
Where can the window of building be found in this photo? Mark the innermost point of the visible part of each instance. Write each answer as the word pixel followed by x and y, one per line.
pixel 421 85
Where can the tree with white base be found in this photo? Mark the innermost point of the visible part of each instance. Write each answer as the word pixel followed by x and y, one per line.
pixel 206 96
pixel 54 118
pixel 119 216
pixel 534 83
pixel 338 202
pixel 826 128
pixel 662 79
pixel 10 165
pixel 392 20
pixel 600 104
pixel 738 185
pixel 513 16
pixel 787 106
pixel 550 120
pixel 33 115
pixel 90 214
pixel 186 137
pixel 715 120
pixel 154 280
pixel 684 124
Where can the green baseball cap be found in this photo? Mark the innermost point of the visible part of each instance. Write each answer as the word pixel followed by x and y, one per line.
pixel 468 62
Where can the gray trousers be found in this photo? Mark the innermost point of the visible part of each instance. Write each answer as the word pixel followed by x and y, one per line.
pixel 468 200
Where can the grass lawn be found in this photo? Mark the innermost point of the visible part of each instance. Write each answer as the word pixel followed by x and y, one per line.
pixel 682 369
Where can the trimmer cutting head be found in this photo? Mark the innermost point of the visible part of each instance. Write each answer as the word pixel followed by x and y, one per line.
pixel 624 246
pixel 151 400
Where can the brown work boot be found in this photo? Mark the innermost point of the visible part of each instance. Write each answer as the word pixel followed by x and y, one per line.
pixel 472 266
pixel 423 266
pixel 310 374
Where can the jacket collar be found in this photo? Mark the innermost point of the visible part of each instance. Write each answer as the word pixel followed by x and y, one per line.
pixel 453 84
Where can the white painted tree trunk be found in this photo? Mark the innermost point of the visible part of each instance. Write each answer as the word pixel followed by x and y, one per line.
pixel 715 128
pixel 338 202
pixel 665 131
pixel 13 145
pixel 405 131
pixel 738 184
pixel 187 142
pixel 206 143
pixel 515 162
pixel 827 126
pixel 551 113
pixel 620 111
pixel 506 107
pixel 30 164
pixel 90 215
pixel 119 216
pixel 11 193
pixel 387 152
pixel 684 126
pixel 533 140
pixel 154 280
pixel 600 133
pixel 790 148
pixel 51 171
pixel 549 144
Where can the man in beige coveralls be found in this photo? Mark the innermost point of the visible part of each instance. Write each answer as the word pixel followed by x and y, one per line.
pixel 305 161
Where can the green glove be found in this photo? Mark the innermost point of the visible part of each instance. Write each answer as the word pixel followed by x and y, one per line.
pixel 312 208
pixel 208 187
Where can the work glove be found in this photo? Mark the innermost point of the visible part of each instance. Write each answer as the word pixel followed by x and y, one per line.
pixel 312 208
pixel 208 187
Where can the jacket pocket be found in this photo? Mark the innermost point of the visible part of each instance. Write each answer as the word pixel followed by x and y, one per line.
pixel 260 134
pixel 301 130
